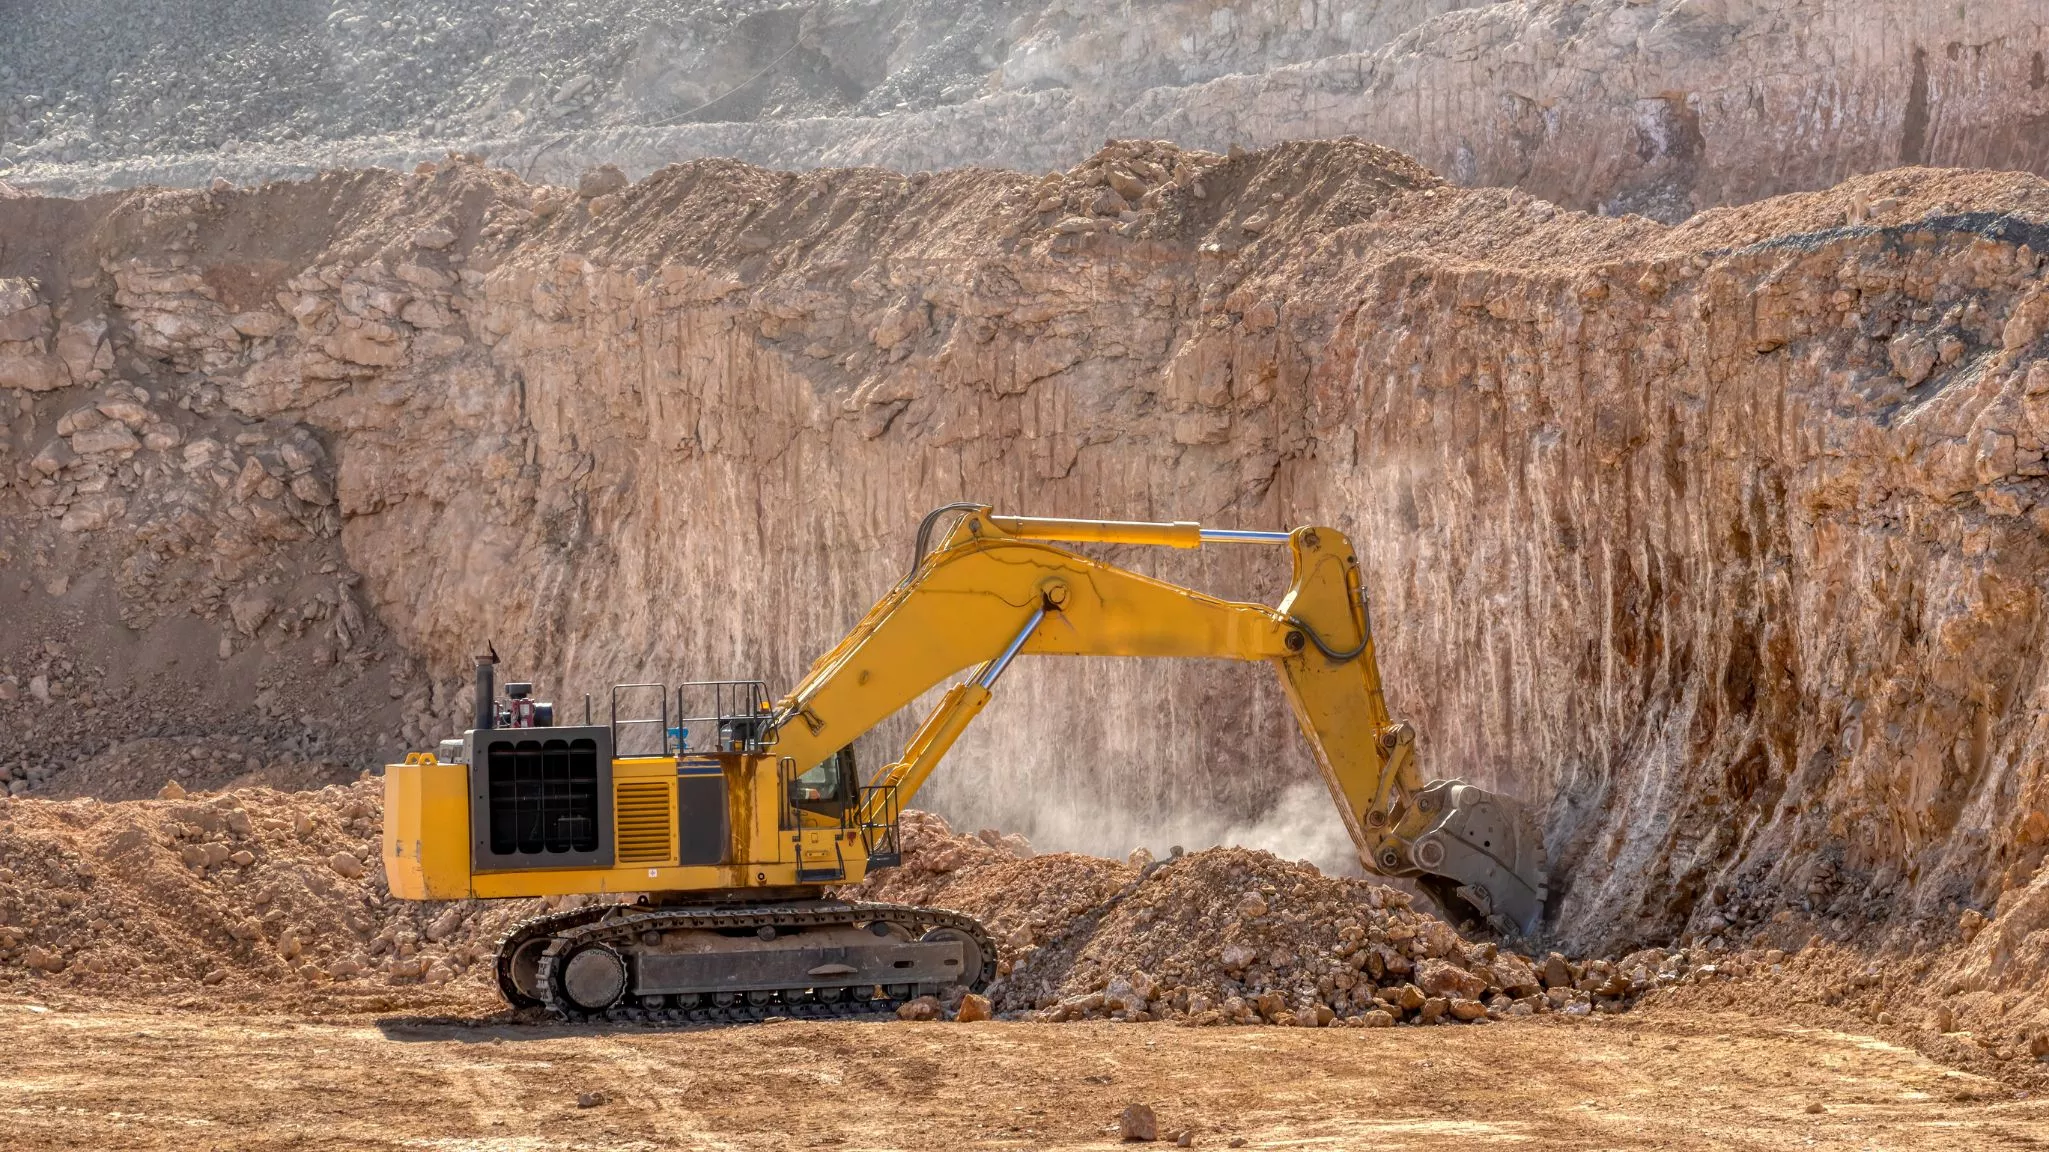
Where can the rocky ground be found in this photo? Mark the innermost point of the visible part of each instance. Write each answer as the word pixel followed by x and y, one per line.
pixel 255 897
pixel 174 968
pixel 259 902
pixel 1672 1077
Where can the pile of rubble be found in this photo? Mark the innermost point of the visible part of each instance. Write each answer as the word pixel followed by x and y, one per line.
pixel 1122 185
pixel 250 896
pixel 1232 936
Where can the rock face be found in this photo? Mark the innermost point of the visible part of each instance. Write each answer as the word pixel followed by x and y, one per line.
pixel 1719 543
pixel 1626 105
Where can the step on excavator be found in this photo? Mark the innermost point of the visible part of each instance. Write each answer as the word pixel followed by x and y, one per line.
pixel 724 819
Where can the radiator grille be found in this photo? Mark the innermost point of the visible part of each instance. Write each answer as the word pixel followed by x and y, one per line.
pixel 543 796
pixel 645 820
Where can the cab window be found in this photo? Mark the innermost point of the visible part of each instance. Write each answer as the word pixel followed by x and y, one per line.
pixel 830 787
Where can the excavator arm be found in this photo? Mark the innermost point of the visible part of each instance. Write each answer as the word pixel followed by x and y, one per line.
pixel 996 587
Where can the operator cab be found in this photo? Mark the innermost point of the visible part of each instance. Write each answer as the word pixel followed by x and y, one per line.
pixel 830 787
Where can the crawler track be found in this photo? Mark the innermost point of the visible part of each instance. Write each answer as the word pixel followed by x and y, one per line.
pixel 621 926
pixel 528 929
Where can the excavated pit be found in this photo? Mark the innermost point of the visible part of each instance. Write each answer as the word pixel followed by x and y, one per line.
pixel 1720 543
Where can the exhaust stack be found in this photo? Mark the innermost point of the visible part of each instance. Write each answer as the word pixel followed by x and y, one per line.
pixel 487 689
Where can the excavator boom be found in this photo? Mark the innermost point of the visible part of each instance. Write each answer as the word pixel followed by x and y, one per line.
pixel 997 587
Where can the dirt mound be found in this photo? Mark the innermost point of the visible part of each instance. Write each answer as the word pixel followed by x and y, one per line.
pixel 257 898
pixel 247 898
pixel 1232 936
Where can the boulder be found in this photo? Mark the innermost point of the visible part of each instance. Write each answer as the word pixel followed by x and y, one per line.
pixel 1516 975
pixel 92 513
pixel 604 180
pixel 55 457
pixel 249 611
pixel 1556 972
pixel 126 411
pixel 1443 978
pixel 80 420
pixel 23 315
pixel 109 437
pixel 435 238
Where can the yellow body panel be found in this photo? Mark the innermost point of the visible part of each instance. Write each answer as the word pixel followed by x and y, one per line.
pixel 427 836
pixel 427 829
pixel 703 878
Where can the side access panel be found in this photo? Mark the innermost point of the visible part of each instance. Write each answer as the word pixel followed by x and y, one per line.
pixel 703 832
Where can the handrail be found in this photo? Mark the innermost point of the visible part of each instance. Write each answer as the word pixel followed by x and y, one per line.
pixel 739 720
pixel 663 720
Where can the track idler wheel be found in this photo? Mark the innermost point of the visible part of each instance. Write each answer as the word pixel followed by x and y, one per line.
pixel 594 978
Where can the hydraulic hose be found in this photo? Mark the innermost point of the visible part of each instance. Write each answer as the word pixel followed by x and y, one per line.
pixel 1344 657
pixel 925 530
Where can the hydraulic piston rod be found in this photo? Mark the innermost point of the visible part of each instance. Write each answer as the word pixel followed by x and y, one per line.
pixel 1178 534
pixel 994 668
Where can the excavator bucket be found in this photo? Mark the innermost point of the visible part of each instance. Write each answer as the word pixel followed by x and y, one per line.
pixel 1481 857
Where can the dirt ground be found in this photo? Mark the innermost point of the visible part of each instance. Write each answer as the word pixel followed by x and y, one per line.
pixel 1670 1077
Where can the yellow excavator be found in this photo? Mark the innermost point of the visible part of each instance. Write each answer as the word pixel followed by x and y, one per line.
pixel 732 816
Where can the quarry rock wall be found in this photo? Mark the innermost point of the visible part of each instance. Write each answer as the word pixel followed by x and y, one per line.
pixel 1720 543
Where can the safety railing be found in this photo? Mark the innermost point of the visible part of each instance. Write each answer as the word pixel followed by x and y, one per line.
pixel 722 716
pixel 640 735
